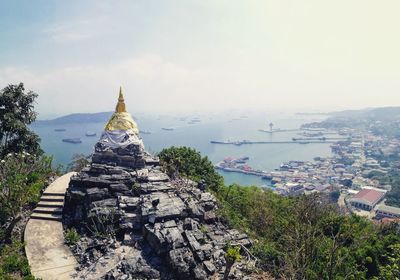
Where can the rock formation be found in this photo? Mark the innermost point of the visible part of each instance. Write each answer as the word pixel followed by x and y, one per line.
pixel 169 228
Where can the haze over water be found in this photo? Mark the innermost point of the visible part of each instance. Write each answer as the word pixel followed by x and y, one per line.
pixel 230 126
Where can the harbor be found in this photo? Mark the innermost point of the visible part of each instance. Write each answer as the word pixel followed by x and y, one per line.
pixel 239 165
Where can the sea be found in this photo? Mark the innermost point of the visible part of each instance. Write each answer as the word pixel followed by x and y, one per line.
pixel 196 131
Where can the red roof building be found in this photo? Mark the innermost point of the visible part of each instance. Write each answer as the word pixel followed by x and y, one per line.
pixel 367 199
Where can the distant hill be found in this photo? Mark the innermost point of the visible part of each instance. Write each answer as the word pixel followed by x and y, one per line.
pixel 379 114
pixel 77 118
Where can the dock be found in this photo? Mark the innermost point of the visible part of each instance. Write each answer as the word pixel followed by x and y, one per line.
pixel 245 142
pixel 320 138
pixel 278 130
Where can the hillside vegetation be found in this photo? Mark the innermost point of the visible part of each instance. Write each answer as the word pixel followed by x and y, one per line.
pixel 24 172
pixel 303 237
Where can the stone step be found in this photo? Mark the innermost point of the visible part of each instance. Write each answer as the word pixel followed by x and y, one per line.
pixel 50 204
pixel 47 210
pixel 43 198
pixel 43 216
pixel 53 194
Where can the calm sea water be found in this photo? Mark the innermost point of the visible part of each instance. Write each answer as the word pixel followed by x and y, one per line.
pixel 212 127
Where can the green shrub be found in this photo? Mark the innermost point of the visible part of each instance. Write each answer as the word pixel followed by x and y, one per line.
pixel 13 262
pixel 187 162
pixel 233 254
pixel 72 236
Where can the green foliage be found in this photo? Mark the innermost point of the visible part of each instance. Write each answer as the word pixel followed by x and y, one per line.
pixel 103 222
pixel 135 186
pixel 203 229
pixel 24 172
pixel 391 270
pixel 16 113
pixel 232 254
pixel 71 236
pixel 303 237
pixel 22 177
pixel 334 196
pixel 13 263
pixel 187 162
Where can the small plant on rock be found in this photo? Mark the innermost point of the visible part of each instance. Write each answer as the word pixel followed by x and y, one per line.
pixel 232 255
pixel 203 229
pixel 135 187
pixel 72 236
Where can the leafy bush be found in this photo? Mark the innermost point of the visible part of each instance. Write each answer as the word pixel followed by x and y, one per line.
pixel 233 254
pixel 187 162
pixel 13 262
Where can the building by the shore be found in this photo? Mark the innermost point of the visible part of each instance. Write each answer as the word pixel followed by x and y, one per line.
pixel 384 211
pixel 367 199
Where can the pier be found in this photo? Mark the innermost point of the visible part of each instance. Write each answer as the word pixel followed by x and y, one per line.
pixel 245 142
pixel 320 138
pixel 278 130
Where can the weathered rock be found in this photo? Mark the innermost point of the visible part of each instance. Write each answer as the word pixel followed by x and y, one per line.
pixel 169 207
pixel 210 268
pixel 171 225
pixel 182 262
pixel 95 194
pixel 128 203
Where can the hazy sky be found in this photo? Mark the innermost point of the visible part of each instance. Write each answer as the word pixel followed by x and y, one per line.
pixel 205 55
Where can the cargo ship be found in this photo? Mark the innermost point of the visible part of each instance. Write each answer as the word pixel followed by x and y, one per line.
pixel 72 140
pixel 144 132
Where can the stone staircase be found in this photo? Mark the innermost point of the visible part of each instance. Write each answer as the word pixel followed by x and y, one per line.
pixel 50 207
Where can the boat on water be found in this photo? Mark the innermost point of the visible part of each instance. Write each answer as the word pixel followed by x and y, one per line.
pixel 90 134
pixel 72 140
pixel 168 128
pixel 194 120
pixel 144 132
pixel 59 129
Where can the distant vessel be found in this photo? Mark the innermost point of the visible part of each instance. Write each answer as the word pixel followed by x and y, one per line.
pixel 145 132
pixel 168 128
pixel 90 134
pixel 194 120
pixel 60 129
pixel 72 140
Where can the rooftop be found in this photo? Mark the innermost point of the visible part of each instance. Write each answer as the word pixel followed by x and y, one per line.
pixel 389 209
pixel 368 196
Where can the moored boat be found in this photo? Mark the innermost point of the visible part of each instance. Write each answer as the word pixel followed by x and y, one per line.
pixel 72 140
pixel 90 134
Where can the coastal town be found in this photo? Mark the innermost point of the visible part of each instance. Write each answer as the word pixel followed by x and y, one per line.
pixel 348 177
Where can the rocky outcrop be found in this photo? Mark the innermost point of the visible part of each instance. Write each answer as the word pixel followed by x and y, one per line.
pixel 171 225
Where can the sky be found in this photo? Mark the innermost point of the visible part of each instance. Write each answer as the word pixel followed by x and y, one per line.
pixel 203 55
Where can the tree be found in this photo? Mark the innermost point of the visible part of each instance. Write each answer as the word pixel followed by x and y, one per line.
pixel 391 271
pixel 16 113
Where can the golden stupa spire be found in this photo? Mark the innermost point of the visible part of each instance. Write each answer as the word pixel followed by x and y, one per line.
pixel 121 119
pixel 121 102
